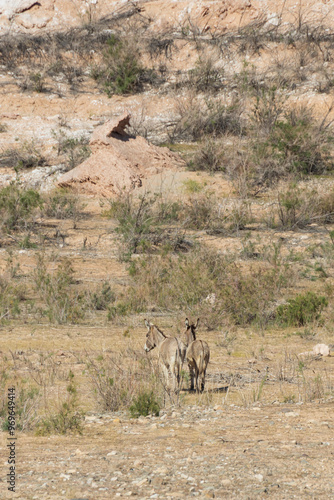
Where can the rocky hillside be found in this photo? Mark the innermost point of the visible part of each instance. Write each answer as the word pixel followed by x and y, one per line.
pixel 159 161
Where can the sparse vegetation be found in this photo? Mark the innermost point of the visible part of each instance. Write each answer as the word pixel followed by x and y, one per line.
pixel 61 303
pixel 118 384
pixel 18 206
pixel 301 310
pixel 63 205
pixel 27 155
pixel 122 72
pixel 145 404
pixel 74 149
pixel 69 417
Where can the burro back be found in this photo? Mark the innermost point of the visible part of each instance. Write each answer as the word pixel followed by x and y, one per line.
pixel 197 355
pixel 170 354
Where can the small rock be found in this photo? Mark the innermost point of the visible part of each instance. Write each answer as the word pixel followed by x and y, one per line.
pixel 225 482
pixel 142 481
pixel 259 477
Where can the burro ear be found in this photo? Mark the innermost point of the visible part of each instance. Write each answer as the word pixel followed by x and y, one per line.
pixel 147 324
pixel 187 322
pixel 197 322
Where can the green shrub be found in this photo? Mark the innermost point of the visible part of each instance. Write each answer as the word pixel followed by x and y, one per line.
pixel 101 299
pixel 145 404
pixel 17 206
pixel 25 156
pixel 62 205
pixel 26 405
pixel 121 72
pixel 197 119
pixel 11 295
pixel 187 282
pixel 206 76
pixel 290 144
pixel 118 378
pixel 63 304
pixel 38 81
pixel 298 207
pixel 67 419
pixel 208 158
pixel 198 212
pixel 301 310
pixel 142 224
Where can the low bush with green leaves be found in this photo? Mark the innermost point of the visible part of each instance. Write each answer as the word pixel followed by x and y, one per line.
pixel 302 310
pixel 119 380
pixel 102 298
pixel 74 149
pixel 63 205
pixel 69 417
pixel 27 399
pixel 145 404
pixel 121 71
pixel 189 280
pixel 197 120
pixel 142 224
pixel 298 207
pixel 209 158
pixel 11 297
pixel 18 205
pixel 60 302
pixel 27 155
pixel 207 76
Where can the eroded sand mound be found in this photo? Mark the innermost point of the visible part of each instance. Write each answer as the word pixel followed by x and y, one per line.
pixel 118 161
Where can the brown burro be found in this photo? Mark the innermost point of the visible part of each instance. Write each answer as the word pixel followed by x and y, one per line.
pixel 171 353
pixel 197 356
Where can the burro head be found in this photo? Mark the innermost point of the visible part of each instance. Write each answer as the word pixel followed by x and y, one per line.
pixel 190 333
pixel 150 341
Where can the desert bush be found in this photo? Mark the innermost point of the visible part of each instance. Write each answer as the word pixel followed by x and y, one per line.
pixel 25 156
pixel 121 72
pixel 142 224
pixel 280 144
pixel 75 149
pixel 11 295
pixel 17 207
pixel 292 144
pixel 205 211
pixel 27 399
pixel 209 157
pixel 301 310
pixel 197 119
pixel 26 406
pixel 63 205
pixel 61 304
pixel 199 210
pixel 102 298
pixel 298 207
pixel 68 418
pixel 206 76
pixel 38 81
pixel 145 404
pixel 119 380
pixel 187 281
